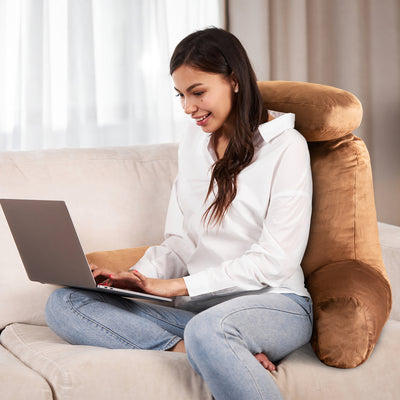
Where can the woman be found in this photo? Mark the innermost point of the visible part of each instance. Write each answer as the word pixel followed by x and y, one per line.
pixel 236 230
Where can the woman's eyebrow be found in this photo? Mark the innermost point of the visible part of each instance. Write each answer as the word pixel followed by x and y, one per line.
pixel 191 87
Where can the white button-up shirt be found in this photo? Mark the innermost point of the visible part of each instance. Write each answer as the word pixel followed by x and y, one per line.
pixel 264 233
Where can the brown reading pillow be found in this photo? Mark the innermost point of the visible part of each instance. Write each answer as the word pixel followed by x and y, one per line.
pixel 343 263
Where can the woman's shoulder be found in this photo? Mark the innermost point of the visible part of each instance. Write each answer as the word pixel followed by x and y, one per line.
pixel 280 130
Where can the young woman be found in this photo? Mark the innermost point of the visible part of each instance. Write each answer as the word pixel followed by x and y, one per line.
pixel 236 230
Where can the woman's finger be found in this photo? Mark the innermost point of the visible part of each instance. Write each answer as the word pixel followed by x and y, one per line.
pixel 101 272
pixel 93 266
pixel 139 275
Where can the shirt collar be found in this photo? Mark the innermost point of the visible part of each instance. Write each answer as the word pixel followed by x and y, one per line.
pixel 281 122
pixel 266 132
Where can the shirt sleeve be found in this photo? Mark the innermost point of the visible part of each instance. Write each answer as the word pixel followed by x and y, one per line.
pixel 169 259
pixel 275 259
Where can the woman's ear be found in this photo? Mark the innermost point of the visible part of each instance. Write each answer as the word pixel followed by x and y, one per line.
pixel 235 83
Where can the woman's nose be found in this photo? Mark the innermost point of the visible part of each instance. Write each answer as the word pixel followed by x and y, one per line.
pixel 188 107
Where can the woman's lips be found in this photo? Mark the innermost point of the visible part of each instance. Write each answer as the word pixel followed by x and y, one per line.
pixel 202 120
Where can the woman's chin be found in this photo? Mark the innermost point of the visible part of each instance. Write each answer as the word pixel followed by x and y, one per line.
pixel 206 129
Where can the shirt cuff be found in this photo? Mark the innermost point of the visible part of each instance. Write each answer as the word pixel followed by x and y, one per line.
pixel 203 283
pixel 146 268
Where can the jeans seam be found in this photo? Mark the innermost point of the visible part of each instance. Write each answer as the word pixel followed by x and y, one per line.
pixel 269 308
pixel 162 319
pixel 105 328
pixel 172 342
pixel 234 352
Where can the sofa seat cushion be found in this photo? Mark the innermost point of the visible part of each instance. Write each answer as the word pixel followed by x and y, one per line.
pixel 302 376
pixel 76 372
pixel 86 372
pixel 18 382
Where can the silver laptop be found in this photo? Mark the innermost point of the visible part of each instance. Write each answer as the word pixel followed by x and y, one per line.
pixel 49 246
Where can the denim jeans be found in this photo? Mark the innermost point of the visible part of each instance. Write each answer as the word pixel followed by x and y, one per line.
pixel 220 341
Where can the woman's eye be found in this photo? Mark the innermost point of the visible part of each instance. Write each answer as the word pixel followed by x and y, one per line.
pixel 179 95
pixel 198 93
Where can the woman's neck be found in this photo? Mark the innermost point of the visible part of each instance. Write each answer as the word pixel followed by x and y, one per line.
pixel 220 143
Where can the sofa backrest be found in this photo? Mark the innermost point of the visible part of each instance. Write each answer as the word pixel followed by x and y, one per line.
pixel 117 198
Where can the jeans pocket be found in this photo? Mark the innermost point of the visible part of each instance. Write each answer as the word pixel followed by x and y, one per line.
pixel 302 301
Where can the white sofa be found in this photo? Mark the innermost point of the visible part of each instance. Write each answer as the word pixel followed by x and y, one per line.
pixel 118 199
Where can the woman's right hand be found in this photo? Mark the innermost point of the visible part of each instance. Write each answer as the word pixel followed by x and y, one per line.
pixel 122 280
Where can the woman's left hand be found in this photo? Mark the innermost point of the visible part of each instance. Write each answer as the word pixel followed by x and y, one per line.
pixel 157 287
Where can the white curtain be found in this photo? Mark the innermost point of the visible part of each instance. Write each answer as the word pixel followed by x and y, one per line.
pixel 83 73
pixel 351 44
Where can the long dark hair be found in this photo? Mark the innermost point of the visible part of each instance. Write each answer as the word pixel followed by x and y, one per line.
pixel 215 50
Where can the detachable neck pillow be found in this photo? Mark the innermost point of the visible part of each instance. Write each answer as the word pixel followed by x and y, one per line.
pixel 343 263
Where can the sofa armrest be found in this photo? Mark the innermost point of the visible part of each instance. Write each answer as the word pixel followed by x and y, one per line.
pixel 352 302
pixel 389 237
pixel 117 260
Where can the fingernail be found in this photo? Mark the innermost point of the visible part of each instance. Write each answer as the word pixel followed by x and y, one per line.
pixel 111 276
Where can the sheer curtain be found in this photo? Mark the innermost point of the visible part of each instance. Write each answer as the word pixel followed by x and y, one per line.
pixel 83 73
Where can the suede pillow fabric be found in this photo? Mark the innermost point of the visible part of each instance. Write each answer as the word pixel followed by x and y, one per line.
pixel 322 112
pixel 116 260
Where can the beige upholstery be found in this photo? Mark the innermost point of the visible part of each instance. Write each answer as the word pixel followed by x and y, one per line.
pixel 108 192
pixel 19 382
pixel 85 372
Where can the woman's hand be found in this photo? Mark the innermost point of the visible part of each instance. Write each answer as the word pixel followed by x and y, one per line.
pixel 122 280
pixel 161 287
pixel 134 280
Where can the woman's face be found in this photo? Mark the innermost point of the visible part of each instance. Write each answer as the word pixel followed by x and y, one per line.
pixel 206 97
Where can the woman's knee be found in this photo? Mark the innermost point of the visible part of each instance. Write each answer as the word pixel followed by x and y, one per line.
pixel 64 301
pixel 203 333
pixel 56 305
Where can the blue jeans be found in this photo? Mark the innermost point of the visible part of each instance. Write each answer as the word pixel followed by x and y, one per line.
pixel 220 341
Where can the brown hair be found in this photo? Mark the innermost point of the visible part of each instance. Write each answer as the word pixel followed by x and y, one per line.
pixel 215 50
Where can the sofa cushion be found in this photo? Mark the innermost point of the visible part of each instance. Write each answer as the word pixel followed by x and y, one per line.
pixel 18 382
pixel 301 376
pixel 389 236
pixel 87 372
pixel 84 372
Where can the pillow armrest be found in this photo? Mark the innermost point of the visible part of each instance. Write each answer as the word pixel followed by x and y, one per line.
pixel 352 301
pixel 117 260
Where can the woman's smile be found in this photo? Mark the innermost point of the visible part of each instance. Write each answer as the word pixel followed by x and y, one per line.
pixel 201 121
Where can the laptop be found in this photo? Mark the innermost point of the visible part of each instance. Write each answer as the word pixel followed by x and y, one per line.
pixel 50 249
